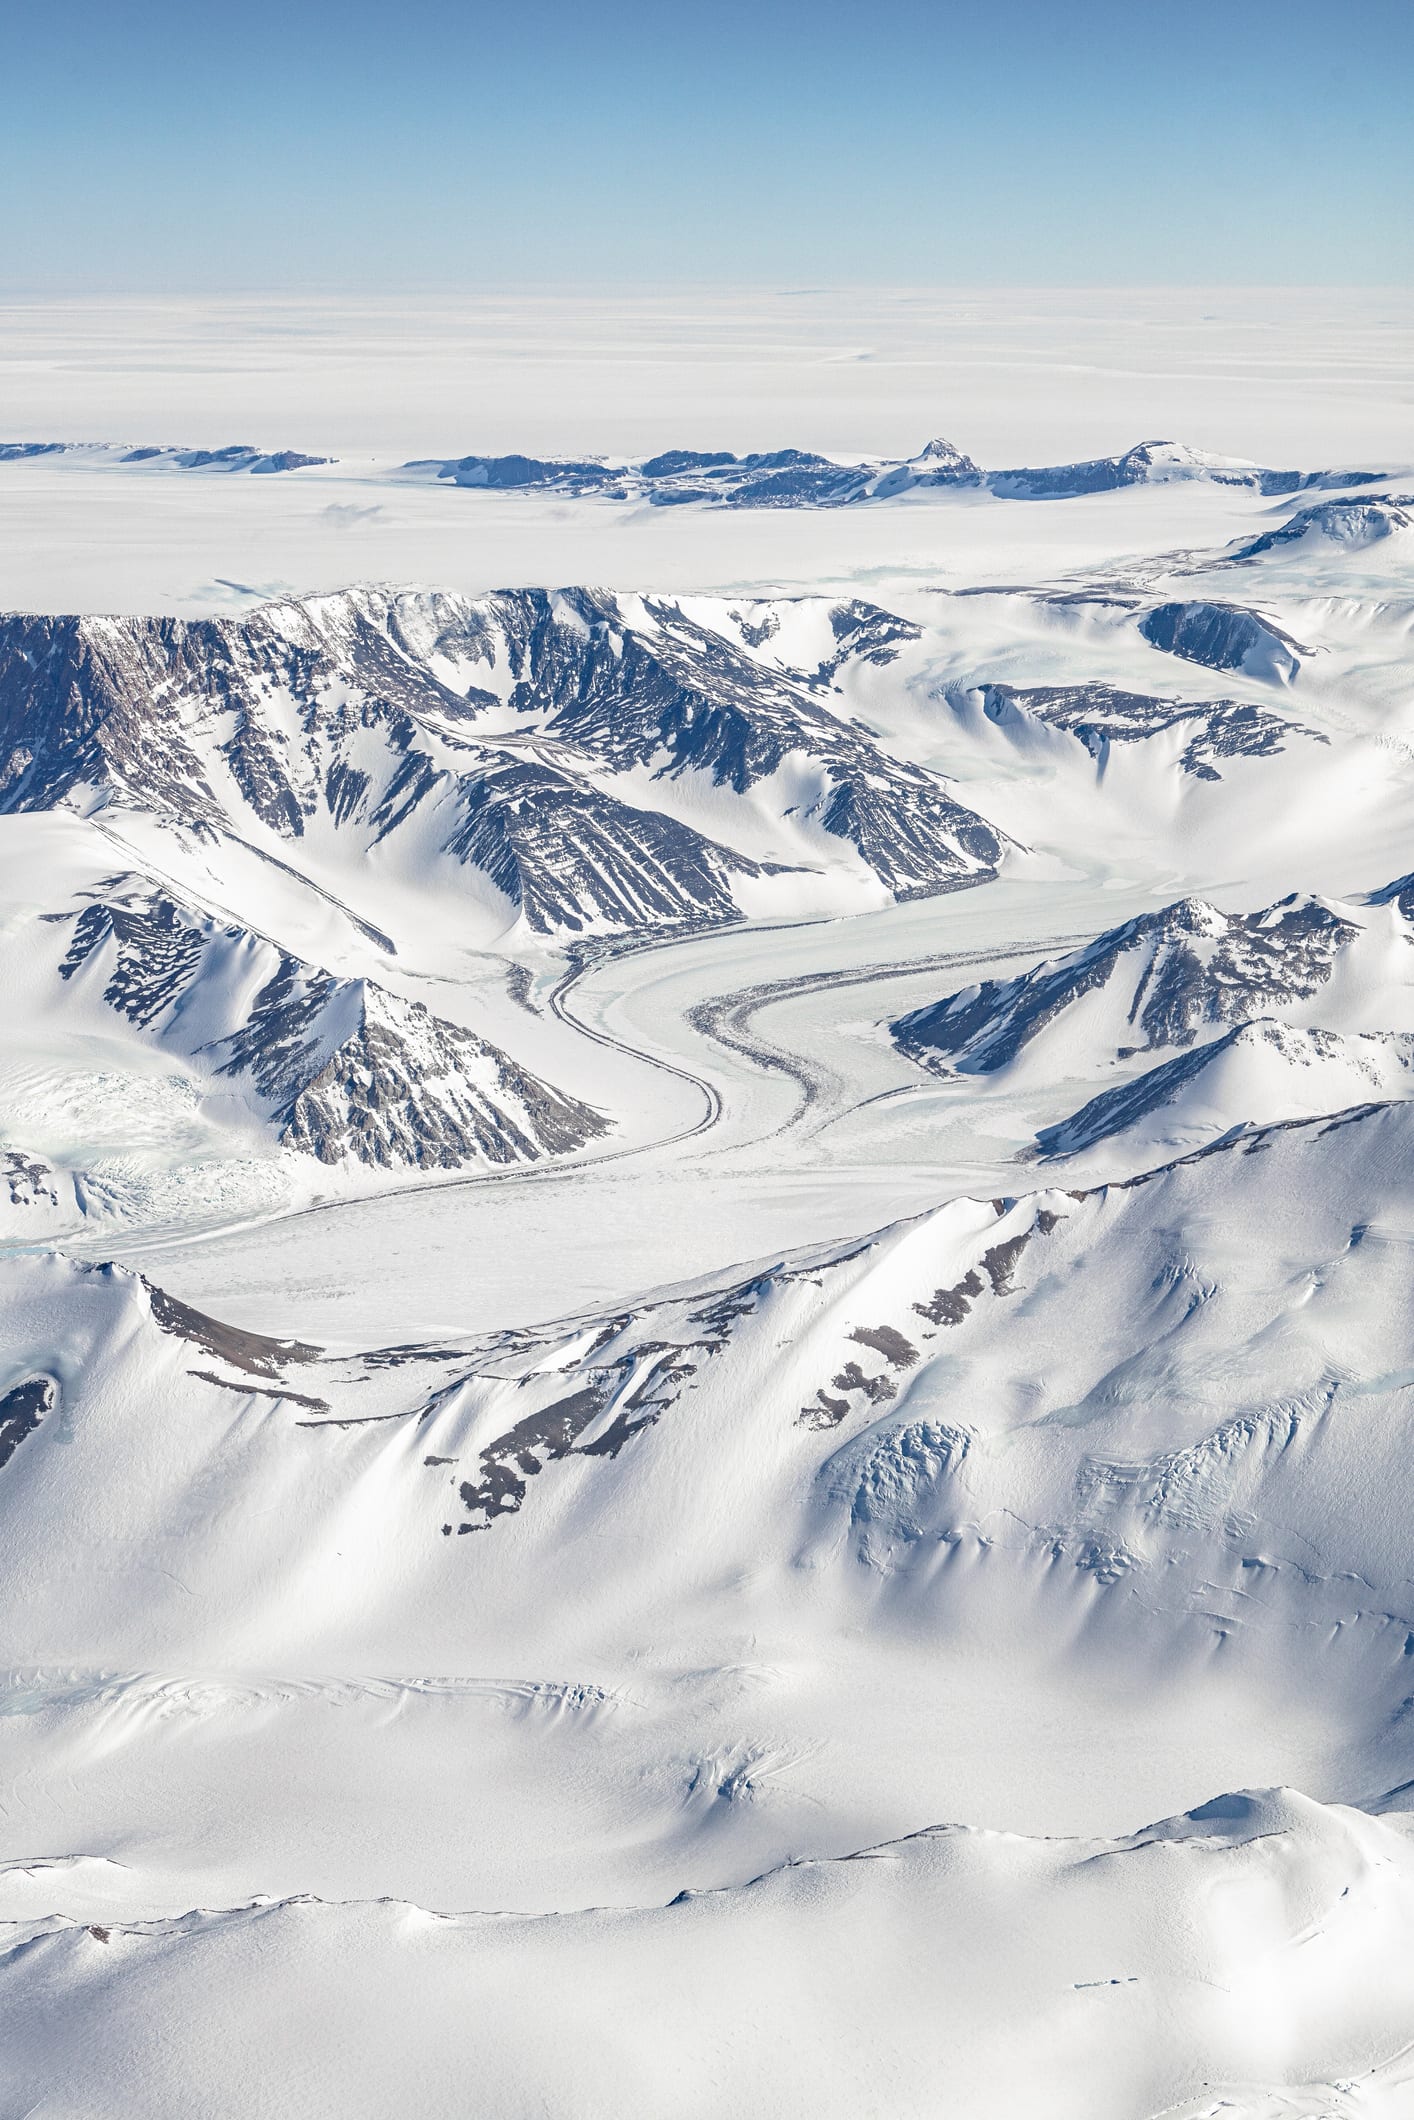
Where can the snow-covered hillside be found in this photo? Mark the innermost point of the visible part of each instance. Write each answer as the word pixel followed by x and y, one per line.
pixel 233 456
pixel 1165 979
pixel 1258 1072
pixel 1342 522
pixel 1101 715
pixel 251 1052
pixel 1082 1432
pixel 1160 463
pixel 1192 1022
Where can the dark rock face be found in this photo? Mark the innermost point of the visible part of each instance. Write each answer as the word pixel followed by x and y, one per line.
pixel 1128 1102
pixel 1180 970
pixel 1278 483
pixel 1222 637
pixel 1400 893
pixel 287 460
pixel 26 1181
pixel 22 1409
pixel 253 1352
pixel 679 696
pixel 1058 482
pixel 798 478
pixel 338 1067
pixel 512 471
pixel 236 456
pixel 542 837
pixel 361 710
pixel 674 461
pixel 1101 715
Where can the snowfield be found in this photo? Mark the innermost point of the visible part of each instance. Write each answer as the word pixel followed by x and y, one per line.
pixel 706 1333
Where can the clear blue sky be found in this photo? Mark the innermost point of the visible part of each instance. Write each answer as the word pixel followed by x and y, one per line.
pixel 359 146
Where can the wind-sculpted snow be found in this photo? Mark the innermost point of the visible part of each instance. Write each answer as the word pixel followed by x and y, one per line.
pixel 338 1067
pixel 523 735
pixel 1163 980
pixel 1099 715
pixel 1240 1958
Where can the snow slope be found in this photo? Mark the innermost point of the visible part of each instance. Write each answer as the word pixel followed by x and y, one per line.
pixel 1239 1959
pixel 1260 1071
pixel 1198 1503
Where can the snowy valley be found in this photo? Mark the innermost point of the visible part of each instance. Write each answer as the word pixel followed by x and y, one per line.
pixel 705 1320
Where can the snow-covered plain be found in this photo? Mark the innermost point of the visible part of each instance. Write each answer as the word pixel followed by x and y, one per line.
pixel 705 1324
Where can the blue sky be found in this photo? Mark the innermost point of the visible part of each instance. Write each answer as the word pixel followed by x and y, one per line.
pixel 360 147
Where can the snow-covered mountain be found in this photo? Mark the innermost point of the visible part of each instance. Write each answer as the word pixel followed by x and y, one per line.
pixel 1257 1073
pixel 258 1062
pixel 773 478
pixel 1100 715
pixel 872 1441
pixel 786 478
pixel 795 478
pixel 1223 637
pixel 1355 522
pixel 1170 979
pixel 558 744
pixel 337 1068
pixel 637 1434
pixel 1160 463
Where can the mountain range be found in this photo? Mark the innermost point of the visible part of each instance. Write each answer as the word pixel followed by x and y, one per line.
pixel 705 1322
pixel 558 745
pixel 795 478
pixel 764 478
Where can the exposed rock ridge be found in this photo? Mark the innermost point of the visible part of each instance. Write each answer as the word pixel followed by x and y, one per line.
pixel 500 732
pixel 1176 973
pixel 340 1068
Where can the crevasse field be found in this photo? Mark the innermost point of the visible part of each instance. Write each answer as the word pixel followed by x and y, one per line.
pixel 707 1198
